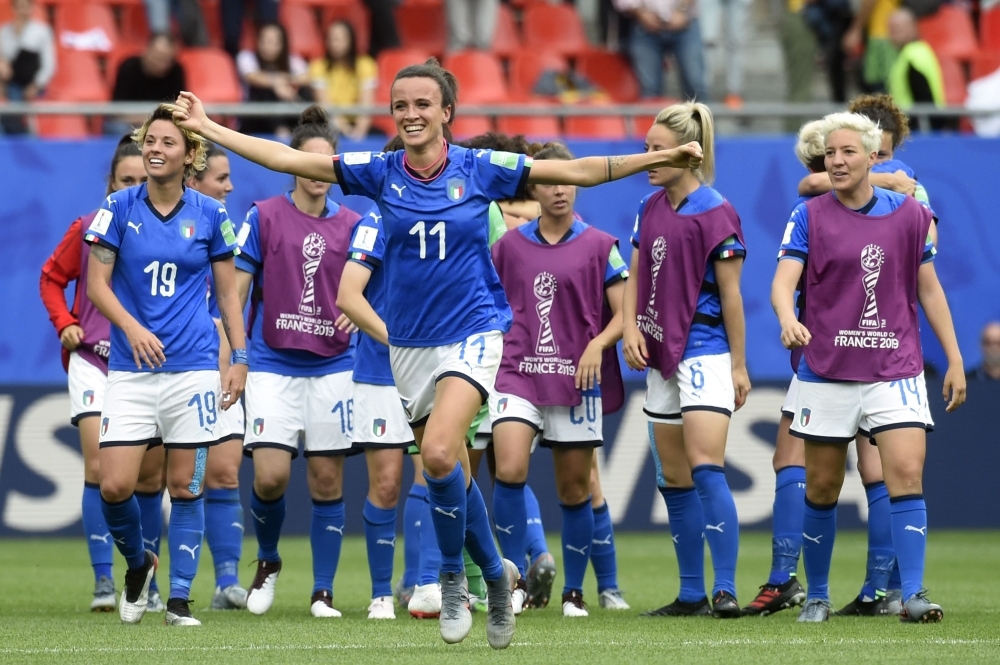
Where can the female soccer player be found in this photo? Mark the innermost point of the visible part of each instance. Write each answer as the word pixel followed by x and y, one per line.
pixel 152 249
pixel 683 316
pixel 86 338
pixel 446 308
pixel 862 365
pixel 294 254
pixel 223 512
pixel 558 274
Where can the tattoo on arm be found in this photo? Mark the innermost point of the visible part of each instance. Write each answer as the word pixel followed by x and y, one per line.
pixel 225 325
pixel 607 161
pixel 615 163
pixel 104 255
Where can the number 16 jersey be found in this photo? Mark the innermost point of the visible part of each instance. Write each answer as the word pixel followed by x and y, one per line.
pixel 161 273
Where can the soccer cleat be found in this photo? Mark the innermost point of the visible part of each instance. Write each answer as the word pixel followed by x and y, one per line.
pixel 261 593
pixel 918 609
pixel 541 574
pixel 321 605
pixel 425 603
pixel 679 608
pixel 382 608
pixel 894 601
pixel 815 611
pixel 135 597
pixel 724 606
pixel 455 618
pixel 104 595
pixel 155 604
pixel 573 605
pixel 500 615
pixel 402 594
pixel 776 597
pixel 477 604
pixel 519 597
pixel 179 613
pixel 864 608
pixel 611 599
pixel 233 597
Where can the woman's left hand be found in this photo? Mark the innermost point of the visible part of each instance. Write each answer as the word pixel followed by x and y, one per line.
pixel 588 370
pixel 344 324
pixel 741 385
pixel 233 385
pixel 954 387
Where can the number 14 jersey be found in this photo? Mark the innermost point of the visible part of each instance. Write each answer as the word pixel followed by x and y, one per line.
pixel 161 273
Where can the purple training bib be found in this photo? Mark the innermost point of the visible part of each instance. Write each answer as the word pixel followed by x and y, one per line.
pixel 96 345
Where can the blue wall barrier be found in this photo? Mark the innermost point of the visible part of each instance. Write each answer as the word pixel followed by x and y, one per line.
pixel 41 470
pixel 48 184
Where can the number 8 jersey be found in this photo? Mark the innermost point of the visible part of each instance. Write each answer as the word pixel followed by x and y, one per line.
pixel 161 273
pixel 440 283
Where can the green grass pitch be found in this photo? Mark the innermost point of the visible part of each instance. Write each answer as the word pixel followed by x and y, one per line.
pixel 47 583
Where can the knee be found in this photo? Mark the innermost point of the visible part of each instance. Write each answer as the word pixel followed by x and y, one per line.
pixel 823 488
pixel 219 477
pixel 512 471
pixel 92 470
pixel 573 493
pixel 678 477
pixel 270 486
pixel 439 460
pixel 116 490
pixel 384 492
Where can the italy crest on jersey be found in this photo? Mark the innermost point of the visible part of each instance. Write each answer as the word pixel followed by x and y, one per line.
pixel 501 405
pixel 187 230
pixel 88 397
pixel 104 426
pixel 258 426
pixel 804 417
pixel 378 427
pixel 456 188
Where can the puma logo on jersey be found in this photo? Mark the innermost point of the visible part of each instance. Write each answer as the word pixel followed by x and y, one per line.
pixel 715 527
pixel 506 529
pixel 133 226
pixel 922 530
pixel 383 541
pixel 606 541
pixel 336 529
pixel 103 539
pixel 812 539
pixel 377 218
pixel 449 513
pixel 676 539
pixel 238 526
pixel 151 542
pixel 257 517
pixel 398 189
pixel 192 550
pixel 582 551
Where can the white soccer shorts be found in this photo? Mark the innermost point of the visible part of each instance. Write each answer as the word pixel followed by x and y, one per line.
pixel 788 405
pixel 233 424
pixel 559 426
pixel 379 419
pixel 87 385
pixel 702 383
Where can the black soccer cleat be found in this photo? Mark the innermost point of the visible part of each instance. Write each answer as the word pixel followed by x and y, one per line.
pixel 724 606
pixel 864 608
pixel 679 608
pixel 774 598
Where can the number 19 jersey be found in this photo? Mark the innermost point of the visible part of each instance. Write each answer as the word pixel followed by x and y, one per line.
pixel 161 272
pixel 440 283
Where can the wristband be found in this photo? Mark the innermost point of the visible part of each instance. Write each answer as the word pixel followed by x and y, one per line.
pixel 239 357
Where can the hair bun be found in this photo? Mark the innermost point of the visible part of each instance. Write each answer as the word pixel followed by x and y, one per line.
pixel 314 115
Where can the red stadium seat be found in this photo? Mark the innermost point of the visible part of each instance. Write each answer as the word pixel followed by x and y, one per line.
pixel 950 33
pixel 62 126
pixel 213 21
pixel 114 60
pixel 954 81
pixel 7 13
pixel 390 61
pixel 989 29
pixel 532 126
pixel 610 72
pixel 86 27
pixel 556 28
pixel 77 79
pixel 480 77
pixel 211 74
pixel 304 38
pixel 984 64
pixel 507 39
pixel 595 127
pixel 422 27
pixel 354 13
pixel 135 25
pixel 527 66
pixel 465 127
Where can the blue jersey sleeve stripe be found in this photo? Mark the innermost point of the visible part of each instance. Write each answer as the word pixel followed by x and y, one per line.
pixel 222 257
pixel 98 240
pixel 338 171
pixel 523 182
pixel 928 256
pixel 366 260
pixel 792 254
pixel 730 253
pixel 614 279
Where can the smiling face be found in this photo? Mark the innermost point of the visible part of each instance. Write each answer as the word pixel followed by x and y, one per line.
pixel 164 153
pixel 417 111
pixel 129 172
pixel 214 180
pixel 314 188
pixel 846 160
pixel 660 138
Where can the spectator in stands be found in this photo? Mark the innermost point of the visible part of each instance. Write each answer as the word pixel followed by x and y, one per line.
pixel 661 27
pixel 799 48
pixel 915 76
pixel 471 23
pixel 27 61
pixel 872 22
pixel 343 78
pixel 725 26
pixel 272 74
pixel 233 11
pixel 190 18
pixel 383 25
pixel 989 369
pixel 154 76
pixel 830 20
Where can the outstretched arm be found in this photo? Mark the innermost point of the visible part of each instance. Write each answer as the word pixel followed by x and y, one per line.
pixel 589 171
pixel 190 114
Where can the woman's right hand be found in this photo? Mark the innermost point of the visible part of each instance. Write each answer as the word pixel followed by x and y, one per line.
pixel 634 347
pixel 71 337
pixel 188 112
pixel 146 347
pixel 794 334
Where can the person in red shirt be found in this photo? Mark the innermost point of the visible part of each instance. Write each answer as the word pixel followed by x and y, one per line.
pixel 85 336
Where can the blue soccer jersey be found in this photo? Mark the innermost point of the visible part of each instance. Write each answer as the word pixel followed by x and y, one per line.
pixel 371 363
pixel 920 194
pixel 262 358
pixel 441 286
pixel 703 339
pixel 161 273
pixel 795 246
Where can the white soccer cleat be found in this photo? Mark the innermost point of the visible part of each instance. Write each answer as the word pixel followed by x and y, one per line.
pixel 573 605
pixel 519 597
pixel 233 597
pixel 261 594
pixel 500 614
pixel 179 613
pixel 455 619
pixel 425 603
pixel 382 608
pixel 611 599
pixel 135 597
pixel 322 606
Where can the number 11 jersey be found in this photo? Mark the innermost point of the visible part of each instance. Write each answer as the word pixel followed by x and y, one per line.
pixel 161 273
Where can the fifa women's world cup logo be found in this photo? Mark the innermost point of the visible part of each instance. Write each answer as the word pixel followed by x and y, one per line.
pixel 313 249
pixel 545 290
pixel 872 258
pixel 657 254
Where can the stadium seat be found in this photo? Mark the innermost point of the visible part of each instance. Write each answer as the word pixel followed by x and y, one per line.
pixel 954 81
pixel 7 13
pixel 354 13
pixel 595 127
pixel 989 29
pixel 480 77
pixel 62 126
pixel 532 126
pixel 211 74
pixel 555 28
pixel 391 61
pixel 86 27
pixel 422 27
pixel 507 39
pixel 134 24
pixel 526 66
pixel 950 33
pixel 304 38
pixel 466 127
pixel 984 64
pixel 114 60
pixel 77 79
pixel 610 72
